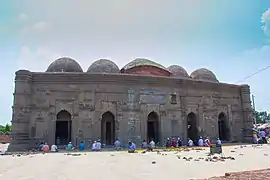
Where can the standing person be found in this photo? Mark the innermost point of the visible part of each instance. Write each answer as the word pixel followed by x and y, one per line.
pixel 218 142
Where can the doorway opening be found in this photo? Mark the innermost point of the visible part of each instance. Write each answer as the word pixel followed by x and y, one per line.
pixel 192 130
pixel 223 128
pixel 153 127
pixel 108 128
pixel 63 128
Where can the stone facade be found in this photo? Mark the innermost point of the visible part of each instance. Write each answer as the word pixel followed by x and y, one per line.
pixel 39 97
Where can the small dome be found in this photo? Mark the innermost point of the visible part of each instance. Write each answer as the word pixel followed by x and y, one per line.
pixel 103 66
pixel 64 64
pixel 177 71
pixel 204 74
pixel 143 62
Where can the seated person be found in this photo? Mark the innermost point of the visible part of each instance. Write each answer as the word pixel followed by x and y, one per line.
pixel 94 146
pixel 98 145
pixel 81 146
pixel 144 144
pixel 131 147
pixel 45 148
pixel 117 145
pixel 54 148
pixel 70 147
pixel 200 141
pixel 152 145
pixel 190 142
pixel 40 146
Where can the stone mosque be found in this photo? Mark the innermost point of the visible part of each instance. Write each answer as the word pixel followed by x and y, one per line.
pixel 144 100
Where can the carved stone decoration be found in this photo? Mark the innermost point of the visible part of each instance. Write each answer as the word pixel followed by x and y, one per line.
pixel 84 106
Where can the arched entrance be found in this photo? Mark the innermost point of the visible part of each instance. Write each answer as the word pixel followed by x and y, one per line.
pixel 108 128
pixel 153 127
pixel 63 128
pixel 223 127
pixel 192 130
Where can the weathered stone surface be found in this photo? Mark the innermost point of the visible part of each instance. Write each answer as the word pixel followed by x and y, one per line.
pixel 39 97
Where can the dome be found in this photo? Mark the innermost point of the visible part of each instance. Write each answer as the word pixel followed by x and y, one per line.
pixel 64 64
pixel 177 71
pixel 143 62
pixel 103 66
pixel 204 74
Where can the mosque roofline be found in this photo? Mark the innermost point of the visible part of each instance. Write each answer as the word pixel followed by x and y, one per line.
pixel 45 75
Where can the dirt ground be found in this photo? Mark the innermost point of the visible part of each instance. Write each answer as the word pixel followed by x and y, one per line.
pixel 184 165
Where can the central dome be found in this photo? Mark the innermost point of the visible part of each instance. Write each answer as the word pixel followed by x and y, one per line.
pixel 145 67
pixel 64 64
pixel 143 62
pixel 178 71
pixel 204 75
pixel 103 66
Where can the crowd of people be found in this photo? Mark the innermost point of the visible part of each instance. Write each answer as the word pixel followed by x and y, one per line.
pixel 131 146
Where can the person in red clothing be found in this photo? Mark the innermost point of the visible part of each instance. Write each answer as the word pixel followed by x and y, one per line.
pixel 174 142
pixel 207 142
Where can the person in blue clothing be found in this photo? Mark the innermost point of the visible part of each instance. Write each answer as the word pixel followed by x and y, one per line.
pixel 81 146
pixel 131 147
pixel 70 146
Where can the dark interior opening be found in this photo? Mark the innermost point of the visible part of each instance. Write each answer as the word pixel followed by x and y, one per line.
pixel 108 128
pixel 152 127
pixel 192 127
pixel 63 128
pixel 223 130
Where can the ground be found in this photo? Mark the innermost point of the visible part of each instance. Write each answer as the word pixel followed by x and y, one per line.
pixel 121 165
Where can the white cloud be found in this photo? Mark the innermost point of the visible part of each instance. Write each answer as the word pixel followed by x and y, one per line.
pixel 23 17
pixel 266 22
pixel 41 26
pixel 36 59
pixel 101 20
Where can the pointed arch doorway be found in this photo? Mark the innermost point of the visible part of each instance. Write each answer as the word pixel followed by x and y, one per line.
pixel 223 127
pixel 192 130
pixel 63 128
pixel 108 128
pixel 153 127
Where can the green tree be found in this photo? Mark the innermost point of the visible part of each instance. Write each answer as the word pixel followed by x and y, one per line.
pixel 261 117
pixel 6 129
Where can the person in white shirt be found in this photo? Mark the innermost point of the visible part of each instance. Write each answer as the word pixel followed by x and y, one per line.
pixel 54 148
pixel 117 144
pixel 190 142
pixel 218 141
pixel 94 146
pixel 98 145
pixel 152 144
pixel 263 136
pixel 200 141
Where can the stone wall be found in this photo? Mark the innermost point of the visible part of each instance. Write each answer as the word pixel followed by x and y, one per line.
pixel 40 96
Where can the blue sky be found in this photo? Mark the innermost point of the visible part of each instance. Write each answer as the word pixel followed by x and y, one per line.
pixel 231 38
